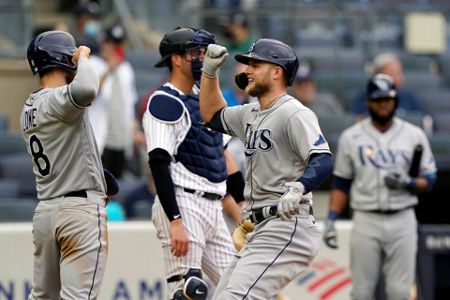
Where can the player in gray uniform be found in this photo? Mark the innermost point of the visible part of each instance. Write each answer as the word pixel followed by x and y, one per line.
pixel 188 164
pixel 286 156
pixel 372 169
pixel 69 223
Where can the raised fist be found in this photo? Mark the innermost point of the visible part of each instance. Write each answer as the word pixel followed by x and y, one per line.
pixel 215 57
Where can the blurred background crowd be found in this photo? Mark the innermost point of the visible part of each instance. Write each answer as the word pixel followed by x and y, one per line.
pixel 340 43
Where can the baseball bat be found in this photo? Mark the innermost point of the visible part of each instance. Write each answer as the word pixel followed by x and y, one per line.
pixel 415 162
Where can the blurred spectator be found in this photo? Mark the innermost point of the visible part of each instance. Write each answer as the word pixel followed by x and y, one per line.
pixel 305 90
pixel 237 30
pixel 113 113
pixel 87 24
pixel 145 192
pixel 58 26
pixel 389 64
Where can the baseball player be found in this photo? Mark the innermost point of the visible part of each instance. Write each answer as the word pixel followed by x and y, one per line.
pixel 372 169
pixel 188 164
pixel 286 157
pixel 69 224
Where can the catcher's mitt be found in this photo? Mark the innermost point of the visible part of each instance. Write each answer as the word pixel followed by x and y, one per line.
pixel 240 233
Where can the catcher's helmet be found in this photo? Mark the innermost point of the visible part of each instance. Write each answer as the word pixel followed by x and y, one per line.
pixel 182 39
pixel 275 52
pixel 51 49
pixel 381 86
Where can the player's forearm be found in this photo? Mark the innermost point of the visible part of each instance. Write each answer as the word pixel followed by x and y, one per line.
pixel 338 201
pixel 319 168
pixel 84 86
pixel 159 161
pixel 211 99
pixel 424 184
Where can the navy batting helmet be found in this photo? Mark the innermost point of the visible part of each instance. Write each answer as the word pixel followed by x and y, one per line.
pixel 51 49
pixel 381 86
pixel 275 52
pixel 182 39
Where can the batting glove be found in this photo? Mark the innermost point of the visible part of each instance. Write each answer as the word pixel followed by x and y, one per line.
pixel 330 235
pixel 289 203
pixel 215 57
pixel 396 181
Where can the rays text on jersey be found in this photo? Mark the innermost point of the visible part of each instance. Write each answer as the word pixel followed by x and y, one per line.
pixel 257 140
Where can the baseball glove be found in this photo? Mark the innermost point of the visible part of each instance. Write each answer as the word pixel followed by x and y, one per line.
pixel 240 233
pixel 112 186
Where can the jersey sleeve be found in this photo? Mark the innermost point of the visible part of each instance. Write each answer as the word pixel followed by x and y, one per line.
pixel 343 166
pixel 232 120
pixel 428 163
pixel 68 102
pixel 305 136
pixel 165 122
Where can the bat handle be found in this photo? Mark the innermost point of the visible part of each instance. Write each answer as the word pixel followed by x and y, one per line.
pixel 269 211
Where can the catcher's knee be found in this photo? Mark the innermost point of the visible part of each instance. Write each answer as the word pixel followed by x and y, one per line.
pixel 194 288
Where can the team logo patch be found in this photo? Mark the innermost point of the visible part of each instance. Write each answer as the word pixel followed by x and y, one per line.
pixel 251 47
pixel 257 140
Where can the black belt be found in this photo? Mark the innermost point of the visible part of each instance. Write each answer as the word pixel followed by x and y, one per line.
pixel 388 211
pixel 260 214
pixel 209 196
pixel 81 194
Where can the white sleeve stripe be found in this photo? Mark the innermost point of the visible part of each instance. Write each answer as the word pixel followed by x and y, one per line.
pixel 72 100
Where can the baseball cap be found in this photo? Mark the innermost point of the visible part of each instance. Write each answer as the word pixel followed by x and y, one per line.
pixel 237 18
pixel 304 72
pixel 88 8
pixel 115 34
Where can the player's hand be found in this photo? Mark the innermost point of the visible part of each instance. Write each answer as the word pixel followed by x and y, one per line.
pixel 330 235
pixel 215 57
pixel 289 203
pixel 179 238
pixel 396 181
pixel 82 51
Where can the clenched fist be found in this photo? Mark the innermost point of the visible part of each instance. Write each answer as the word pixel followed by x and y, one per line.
pixel 215 57
pixel 289 204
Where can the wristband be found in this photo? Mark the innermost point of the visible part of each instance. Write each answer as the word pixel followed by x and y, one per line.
pixel 235 186
pixel 332 215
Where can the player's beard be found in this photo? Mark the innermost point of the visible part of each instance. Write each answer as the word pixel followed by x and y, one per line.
pixel 258 89
pixel 382 120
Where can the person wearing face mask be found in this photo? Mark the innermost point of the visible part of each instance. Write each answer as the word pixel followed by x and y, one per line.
pixel 189 165
pixel 87 25
pixel 113 114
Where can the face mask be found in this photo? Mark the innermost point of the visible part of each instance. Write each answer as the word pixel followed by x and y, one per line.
pixel 196 67
pixel 91 29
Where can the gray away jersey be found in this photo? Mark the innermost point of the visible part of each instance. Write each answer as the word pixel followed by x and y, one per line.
pixel 278 143
pixel 367 155
pixel 61 143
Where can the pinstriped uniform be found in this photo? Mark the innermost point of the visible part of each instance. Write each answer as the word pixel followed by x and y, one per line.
pixel 210 245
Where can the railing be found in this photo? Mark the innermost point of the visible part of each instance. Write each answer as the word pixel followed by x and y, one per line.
pixel 15 27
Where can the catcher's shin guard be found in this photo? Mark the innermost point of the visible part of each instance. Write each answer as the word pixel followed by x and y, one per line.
pixel 194 288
